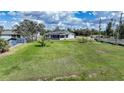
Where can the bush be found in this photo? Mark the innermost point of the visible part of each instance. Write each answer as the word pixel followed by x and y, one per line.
pixel 51 42
pixel 82 40
pixel 3 46
pixel 42 41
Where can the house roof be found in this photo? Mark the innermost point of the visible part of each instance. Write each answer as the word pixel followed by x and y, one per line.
pixel 58 32
pixel 8 32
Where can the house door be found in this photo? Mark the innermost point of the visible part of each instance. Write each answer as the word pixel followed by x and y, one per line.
pixel 56 37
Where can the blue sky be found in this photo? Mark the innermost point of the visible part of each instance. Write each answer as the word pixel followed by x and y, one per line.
pixel 63 19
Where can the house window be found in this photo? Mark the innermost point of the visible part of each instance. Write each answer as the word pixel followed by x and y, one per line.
pixel 66 36
pixel 18 36
pixel 13 36
pixel 47 36
pixel 62 36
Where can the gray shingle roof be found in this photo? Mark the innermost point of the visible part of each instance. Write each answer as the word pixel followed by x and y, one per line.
pixel 58 32
pixel 8 32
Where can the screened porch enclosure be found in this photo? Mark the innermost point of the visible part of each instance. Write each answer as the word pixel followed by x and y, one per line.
pixel 56 37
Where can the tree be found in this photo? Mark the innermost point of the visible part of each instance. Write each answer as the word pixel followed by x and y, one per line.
pixel 109 31
pixel 121 28
pixel 40 28
pixel 100 21
pixel 42 32
pixel 28 29
pixel 121 31
pixel 116 34
pixel 42 41
pixel 1 29
pixel 94 32
pixel 57 28
pixel 16 28
pixel 69 29
pixel 4 46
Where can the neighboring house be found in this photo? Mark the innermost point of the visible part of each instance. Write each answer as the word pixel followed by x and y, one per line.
pixel 8 34
pixel 15 38
pixel 12 37
pixel 97 36
pixel 59 35
pixel 36 36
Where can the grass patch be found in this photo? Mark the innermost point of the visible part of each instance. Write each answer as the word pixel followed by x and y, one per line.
pixel 64 60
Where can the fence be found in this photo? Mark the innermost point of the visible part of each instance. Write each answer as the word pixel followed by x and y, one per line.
pixel 13 42
pixel 111 40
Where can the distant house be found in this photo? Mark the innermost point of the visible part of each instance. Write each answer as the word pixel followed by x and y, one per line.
pixel 8 34
pixel 12 37
pixel 59 35
pixel 97 36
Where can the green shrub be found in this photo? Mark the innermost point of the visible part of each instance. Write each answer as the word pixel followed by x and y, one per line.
pixel 42 41
pixel 3 46
pixel 82 40
pixel 51 41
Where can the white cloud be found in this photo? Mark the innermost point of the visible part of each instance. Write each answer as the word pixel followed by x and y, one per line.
pixel 57 18
pixel 3 21
pixel 2 14
pixel 68 19
pixel 63 19
pixel 94 13
pixel 13 13
pixel 102 18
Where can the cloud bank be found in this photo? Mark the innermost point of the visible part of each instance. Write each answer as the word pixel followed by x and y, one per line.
pixel 63 19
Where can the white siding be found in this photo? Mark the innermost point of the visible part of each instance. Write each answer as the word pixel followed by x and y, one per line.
pixel 5 37
pixel 70 36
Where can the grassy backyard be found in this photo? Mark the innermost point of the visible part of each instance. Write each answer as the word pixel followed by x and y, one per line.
pixel 64 60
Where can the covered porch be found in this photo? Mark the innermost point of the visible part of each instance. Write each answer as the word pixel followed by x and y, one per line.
pixel 56 36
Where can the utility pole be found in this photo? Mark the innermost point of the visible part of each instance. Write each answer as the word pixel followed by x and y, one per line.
pixel 113 29
pixel 116 36
pixel 120 23
pixel 113 32
pixel 100 28
pixel 118 31
pixel 113 24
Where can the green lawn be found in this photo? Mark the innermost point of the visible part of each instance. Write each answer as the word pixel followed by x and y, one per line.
pixel 64 60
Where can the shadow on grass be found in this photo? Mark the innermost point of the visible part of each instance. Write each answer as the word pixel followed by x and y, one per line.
pixel 42 46
pixel 37 45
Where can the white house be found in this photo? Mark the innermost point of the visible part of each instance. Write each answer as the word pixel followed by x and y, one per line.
pixel 8 34
pixel 12 37
pixel 59 35
pixel 15 38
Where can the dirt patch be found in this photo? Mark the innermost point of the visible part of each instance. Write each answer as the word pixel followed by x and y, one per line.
pixel 100 51
pixel 71 77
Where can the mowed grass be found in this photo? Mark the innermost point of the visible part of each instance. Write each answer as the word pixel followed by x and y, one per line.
pixel 64 60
